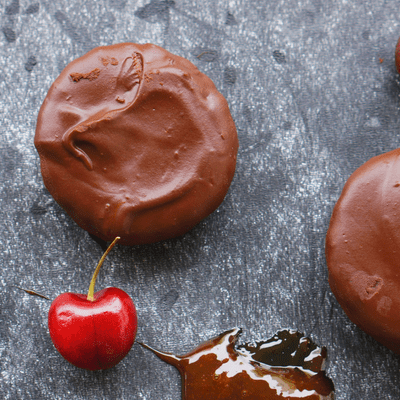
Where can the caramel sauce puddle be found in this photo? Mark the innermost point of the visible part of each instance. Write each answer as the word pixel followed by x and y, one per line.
pixel 287 366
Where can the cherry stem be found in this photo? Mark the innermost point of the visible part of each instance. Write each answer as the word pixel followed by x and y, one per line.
pixel 90 295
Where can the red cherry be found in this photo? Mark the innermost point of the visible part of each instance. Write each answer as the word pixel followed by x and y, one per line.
pixel 94 331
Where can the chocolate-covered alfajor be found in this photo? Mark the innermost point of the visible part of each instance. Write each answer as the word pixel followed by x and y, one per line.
pixel 136 142
pixel 363 248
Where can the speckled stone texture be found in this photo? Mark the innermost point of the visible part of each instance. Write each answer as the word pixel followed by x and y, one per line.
pixel 314 92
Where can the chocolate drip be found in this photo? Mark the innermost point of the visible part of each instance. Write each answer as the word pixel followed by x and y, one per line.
pixel 288 366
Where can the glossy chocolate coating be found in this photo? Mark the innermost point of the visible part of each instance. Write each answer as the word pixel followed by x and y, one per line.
pixel 136 142
pixel 286 366
pixel 363 248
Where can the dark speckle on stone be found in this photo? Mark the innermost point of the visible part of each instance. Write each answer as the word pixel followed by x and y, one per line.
pixel 32 9
pixel 9 34
pixel 247 113
pixel 79 35
pixel 8 163
pixel 229 76
pixel 37 209
pixel 67 26
pixel 117 4
pixel 168 300
pixel 366 35
pixel 31 62
pixel 287 125
pixel 309 16
pixel 205 54
pixel 230 19
pixel 60 17
pixel 279 56
pixel 13 8
pixel 155 7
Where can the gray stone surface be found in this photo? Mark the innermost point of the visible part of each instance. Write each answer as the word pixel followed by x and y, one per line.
pixel 314 93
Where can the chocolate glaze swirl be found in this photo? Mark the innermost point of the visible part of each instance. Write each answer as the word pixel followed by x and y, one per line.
pixel 136 142
pixel 287 366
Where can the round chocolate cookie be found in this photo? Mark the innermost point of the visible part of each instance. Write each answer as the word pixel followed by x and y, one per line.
pixel 136 142
pixel 363 249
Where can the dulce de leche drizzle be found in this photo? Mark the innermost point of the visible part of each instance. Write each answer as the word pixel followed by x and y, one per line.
pixel 288 366
pixel 136 142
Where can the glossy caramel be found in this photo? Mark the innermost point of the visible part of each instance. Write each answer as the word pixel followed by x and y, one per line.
pixel 288 366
